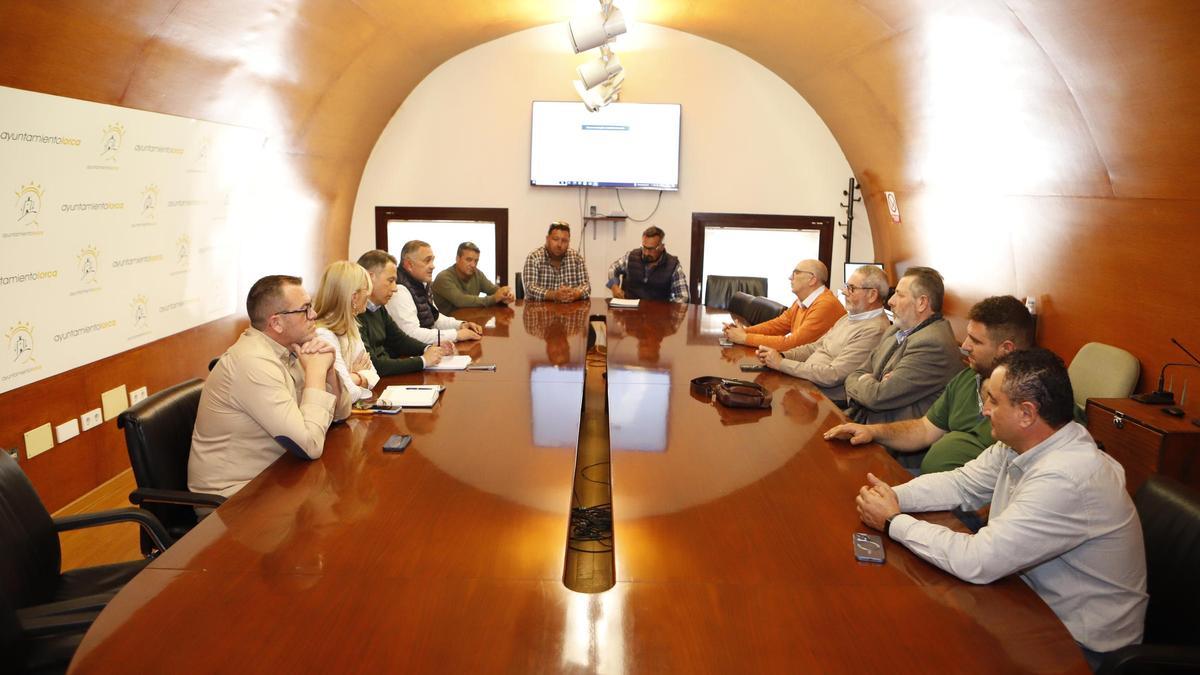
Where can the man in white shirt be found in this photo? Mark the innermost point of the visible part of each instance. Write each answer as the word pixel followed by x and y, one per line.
pixel 1060 516
pixel 412 306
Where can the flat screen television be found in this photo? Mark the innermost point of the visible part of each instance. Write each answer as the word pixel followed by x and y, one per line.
pixel 622 145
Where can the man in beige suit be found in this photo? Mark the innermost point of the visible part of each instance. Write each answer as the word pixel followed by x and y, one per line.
pixel 826 362
pixel 273 391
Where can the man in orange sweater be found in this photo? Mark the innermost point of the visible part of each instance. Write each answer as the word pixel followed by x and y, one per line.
pixel 814 312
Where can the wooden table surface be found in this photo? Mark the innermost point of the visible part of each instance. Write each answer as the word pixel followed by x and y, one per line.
pixel 732 533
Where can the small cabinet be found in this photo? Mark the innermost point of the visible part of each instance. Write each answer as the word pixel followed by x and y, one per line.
pixel 1145 440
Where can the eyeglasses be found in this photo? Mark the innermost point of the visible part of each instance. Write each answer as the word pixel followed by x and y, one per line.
pixel 795 272
pixel 851 288
pixel 651 249
pixel 305 310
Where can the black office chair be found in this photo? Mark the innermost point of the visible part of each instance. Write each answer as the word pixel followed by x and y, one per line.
pixel 158 435
pixel 44 611
pixel 764 309
pixel 520 291
pixel 739 305
pixel 1170 515
pixel 718 290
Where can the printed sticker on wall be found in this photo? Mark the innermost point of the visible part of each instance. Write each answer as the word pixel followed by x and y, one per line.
pixel 893 207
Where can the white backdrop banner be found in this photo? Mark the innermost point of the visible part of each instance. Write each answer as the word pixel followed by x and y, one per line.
pixel 121 228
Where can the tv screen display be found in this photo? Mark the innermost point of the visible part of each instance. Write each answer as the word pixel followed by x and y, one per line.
pixel 622 145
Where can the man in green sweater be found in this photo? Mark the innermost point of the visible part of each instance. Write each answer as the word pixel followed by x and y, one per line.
pixel 463 285
pixel 954 429
pixel 392 351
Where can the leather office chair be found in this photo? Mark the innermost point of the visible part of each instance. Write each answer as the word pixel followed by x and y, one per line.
pixel 44 611
pixel 1102 371
pixel 1170 516
pixel 718 290
pixel 520 290
pixel 764 309
pixel 739 305
pixel 158 435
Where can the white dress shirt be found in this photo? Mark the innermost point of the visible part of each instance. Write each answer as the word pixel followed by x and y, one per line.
pixel 1060 517
pixel 404 312
pixel 345 351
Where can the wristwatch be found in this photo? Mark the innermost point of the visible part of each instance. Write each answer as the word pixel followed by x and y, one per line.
pixel 887 525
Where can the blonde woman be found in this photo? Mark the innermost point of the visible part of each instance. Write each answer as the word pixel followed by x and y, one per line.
pixel 345 288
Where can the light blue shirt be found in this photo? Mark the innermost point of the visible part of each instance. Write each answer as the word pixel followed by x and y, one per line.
pixel 1060 518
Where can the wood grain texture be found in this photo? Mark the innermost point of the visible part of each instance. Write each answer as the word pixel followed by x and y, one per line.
pixel 1042 149
pixel 732 542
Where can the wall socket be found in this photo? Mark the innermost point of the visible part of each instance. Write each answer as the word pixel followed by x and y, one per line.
pixel 137 396
pixel 91 419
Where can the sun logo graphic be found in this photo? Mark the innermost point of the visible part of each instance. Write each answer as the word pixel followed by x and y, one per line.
pixel 89 265
pixel 183 246
pixel 20 343
pixel 112 136
pixel 137 310
pixel 149 201
pixel 29 204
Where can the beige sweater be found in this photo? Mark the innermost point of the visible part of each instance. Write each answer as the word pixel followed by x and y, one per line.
pixel 842 350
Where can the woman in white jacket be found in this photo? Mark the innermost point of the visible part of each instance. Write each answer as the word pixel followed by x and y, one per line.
pixel 345 288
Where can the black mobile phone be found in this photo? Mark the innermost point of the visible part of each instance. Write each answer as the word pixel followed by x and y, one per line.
pixel 868 547
pixel 752 367
pixel 397 443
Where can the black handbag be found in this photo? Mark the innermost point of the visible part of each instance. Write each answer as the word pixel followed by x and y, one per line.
pixel 732 393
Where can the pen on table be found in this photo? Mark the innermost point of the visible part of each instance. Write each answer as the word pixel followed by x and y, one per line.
pixel 483 366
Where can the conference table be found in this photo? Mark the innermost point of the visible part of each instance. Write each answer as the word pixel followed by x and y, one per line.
pixel 730 550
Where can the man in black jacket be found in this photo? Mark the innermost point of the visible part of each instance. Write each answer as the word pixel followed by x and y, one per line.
pixel 649 272
pixel 392 351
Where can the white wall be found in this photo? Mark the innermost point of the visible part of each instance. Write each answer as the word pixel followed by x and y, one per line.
pixel 750 144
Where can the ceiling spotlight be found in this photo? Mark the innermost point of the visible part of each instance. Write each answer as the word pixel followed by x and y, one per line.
pixel 597 97
pixel 592 30
pixel 599 70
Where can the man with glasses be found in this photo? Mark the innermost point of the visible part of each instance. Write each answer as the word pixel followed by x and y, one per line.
pixel 812 315
pixel 846 346
pixel 649 272
pixel 273 392
pixel 463 285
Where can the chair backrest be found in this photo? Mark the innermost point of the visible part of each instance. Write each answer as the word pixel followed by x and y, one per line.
pixel 739 304
pixel 765 309
pixel 718 290
pixel 30 558
pixel 158 435
pixel 1102 371
pixel 520 290
pixel 1170 515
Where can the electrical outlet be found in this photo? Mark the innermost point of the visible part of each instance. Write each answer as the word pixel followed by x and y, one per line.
pixel 91 419
pixel 137 396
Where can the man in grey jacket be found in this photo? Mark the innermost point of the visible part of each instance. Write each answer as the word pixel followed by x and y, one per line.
pixel 826 362
pixel 914 360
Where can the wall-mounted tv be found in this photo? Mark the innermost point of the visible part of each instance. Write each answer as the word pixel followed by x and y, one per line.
pixel 622 145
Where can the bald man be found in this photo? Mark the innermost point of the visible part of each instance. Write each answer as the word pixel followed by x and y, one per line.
pixel 812 315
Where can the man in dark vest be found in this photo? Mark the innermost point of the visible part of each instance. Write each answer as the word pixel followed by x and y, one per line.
pixel 412 308
pixel 649 272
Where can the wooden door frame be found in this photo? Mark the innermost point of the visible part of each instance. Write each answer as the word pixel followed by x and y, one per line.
pixel 492 215
pixel 700 221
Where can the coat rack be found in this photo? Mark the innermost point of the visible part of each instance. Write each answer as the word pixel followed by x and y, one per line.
pixel 849 206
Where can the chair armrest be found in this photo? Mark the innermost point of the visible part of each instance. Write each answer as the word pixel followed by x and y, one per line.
pixel 180 497
pixel 1160 658
pixel 153 528
pixel 48 626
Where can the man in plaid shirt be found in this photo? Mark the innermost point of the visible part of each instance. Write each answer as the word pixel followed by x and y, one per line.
pixel 649 272
pixel 554 272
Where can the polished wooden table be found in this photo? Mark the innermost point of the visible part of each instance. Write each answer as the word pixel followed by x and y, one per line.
pixel 732 536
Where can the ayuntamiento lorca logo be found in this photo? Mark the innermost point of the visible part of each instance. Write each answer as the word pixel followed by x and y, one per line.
pixel 112 136
pixel 89 265
pixel 29 205
pixel 20 343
